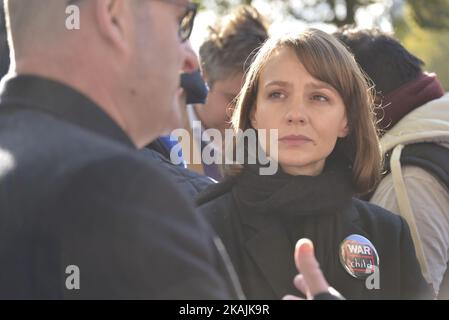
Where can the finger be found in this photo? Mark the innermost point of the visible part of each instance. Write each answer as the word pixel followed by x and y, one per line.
pixel 309 267
pixel 291 297
pixel 301 285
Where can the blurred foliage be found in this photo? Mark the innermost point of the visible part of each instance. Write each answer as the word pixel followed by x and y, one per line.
pixel 337 12
pixel 429 44
pixel 432 14
pixel 423 27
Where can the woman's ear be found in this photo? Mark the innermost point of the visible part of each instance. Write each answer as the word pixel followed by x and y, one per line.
pixel 344 131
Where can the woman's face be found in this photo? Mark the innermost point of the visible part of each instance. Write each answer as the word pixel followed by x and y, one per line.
pixel 309 114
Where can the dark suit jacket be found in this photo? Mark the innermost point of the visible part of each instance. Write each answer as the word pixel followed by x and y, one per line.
pixel 74 191
pixel 262 253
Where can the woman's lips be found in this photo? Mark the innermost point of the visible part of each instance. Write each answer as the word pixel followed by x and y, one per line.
pixel 295 140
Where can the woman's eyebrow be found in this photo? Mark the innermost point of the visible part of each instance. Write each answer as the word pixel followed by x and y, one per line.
pixel 278 83
pixel 320 85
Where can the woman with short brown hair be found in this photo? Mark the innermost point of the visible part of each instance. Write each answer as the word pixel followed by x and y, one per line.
pixel 309 90
pixel 325 59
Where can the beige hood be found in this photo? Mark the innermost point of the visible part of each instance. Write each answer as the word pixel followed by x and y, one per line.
pixel 428 123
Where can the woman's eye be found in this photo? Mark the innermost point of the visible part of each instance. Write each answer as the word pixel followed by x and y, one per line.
pixel 276 95
pixel 320 98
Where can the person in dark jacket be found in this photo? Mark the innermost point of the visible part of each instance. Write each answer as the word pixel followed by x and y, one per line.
pixel 225 55
pixel 189 181
pixel 82 214
pixel 308 88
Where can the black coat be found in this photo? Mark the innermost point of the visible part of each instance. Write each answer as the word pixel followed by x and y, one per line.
pixel 190 182
pixel 263 254
pixel 74 191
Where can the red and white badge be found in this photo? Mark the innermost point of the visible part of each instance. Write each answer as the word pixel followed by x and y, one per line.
pixel 358 256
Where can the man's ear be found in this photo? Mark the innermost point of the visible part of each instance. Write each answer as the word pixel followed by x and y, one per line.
pixel 204 74
pixel 205 78
pixel 230 110
pixel 115 19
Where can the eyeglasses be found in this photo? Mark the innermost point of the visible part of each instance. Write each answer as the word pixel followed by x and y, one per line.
pixel 187 19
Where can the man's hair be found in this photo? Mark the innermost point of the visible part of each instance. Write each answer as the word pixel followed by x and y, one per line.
pixel 382 58
pixel 34 22
pixel 232 43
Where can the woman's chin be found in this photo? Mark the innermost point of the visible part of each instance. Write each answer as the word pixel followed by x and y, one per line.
pixel 300 166
pixel 294 159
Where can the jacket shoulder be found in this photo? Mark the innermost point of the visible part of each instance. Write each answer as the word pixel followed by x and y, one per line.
pixel 372 215
pixel 189 181
pixel 216 192
pixel 216 205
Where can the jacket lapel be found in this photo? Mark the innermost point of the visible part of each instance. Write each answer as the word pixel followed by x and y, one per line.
pixel 272 252
pixel 343 281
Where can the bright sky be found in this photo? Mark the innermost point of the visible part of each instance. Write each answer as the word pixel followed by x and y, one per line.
pixel 366 18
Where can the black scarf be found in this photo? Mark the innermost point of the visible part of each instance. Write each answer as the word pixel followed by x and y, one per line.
pixel 295 195
pixel 306 206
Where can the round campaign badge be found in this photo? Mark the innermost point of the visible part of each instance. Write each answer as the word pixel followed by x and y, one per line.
pixel 358 256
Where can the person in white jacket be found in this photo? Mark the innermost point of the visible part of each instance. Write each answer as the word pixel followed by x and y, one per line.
pixel 414 123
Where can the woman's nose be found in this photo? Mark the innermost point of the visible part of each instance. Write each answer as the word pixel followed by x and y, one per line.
pixel 297 114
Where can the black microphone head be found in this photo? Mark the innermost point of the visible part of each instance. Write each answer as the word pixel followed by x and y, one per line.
pixel 194 86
